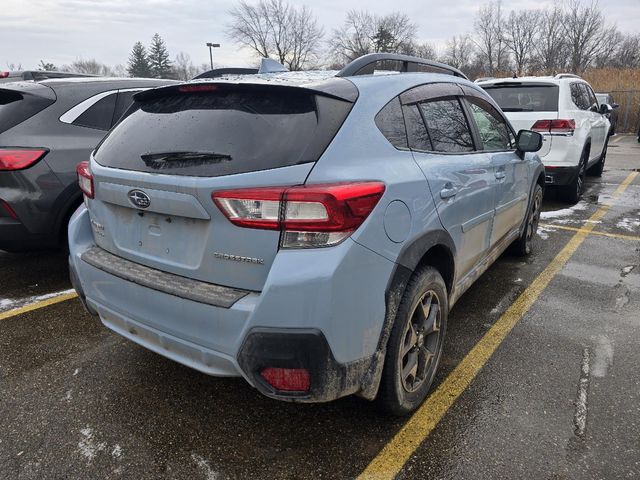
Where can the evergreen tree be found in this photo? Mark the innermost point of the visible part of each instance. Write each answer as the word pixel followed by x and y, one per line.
pixel 139 62
pixel 159 58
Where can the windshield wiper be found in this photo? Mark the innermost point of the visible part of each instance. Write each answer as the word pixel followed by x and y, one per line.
pixel 159 161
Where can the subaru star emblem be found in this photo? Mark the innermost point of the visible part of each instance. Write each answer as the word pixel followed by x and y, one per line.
pixel 139 199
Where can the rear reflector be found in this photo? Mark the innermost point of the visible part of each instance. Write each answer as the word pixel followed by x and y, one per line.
pixel 7 208
pixel 19 158
pixel 4 74
pixel 309 215
pixel 287 379
pixel 555 126
pixel 85 179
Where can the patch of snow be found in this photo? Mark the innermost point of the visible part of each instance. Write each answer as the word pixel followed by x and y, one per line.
pixel 88 447
pixel 629 224
pixel 76 371
pixel 203 465
pixel 627 270
pixel 67 396
pixel 543 232
pixel 565 212
pixel 11 303
pixel 116 452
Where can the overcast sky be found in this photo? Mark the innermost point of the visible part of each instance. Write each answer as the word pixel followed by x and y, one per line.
pixel 60 31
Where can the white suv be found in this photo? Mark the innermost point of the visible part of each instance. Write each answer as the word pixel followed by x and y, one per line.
pixel 565 111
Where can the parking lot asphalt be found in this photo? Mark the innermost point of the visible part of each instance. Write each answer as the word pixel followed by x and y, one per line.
pixel 559 398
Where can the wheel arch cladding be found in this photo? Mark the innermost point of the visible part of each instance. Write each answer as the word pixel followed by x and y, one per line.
pixel 435 248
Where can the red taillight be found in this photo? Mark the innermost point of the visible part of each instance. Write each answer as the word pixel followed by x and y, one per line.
pixel 19 158
pixel 308 215
pixel 7 208
pixel 197 88
pixel 287 379
pixel 554 126
pixel 85 179
pixel 4 74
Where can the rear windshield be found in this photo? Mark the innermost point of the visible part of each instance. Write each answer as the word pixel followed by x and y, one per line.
pixel 15 107
pixel 223 132
pixel 525 98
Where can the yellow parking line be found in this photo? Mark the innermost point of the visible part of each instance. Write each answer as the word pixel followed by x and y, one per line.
pixel 36 305
pixel 604 234
pixel 393 456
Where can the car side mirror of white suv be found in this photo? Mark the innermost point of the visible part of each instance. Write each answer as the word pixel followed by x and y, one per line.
pixel 528 141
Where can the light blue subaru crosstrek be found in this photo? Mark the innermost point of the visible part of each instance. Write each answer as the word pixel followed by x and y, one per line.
pixel 308 232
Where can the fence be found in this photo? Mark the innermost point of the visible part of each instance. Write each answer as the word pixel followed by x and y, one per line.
pixel 629 110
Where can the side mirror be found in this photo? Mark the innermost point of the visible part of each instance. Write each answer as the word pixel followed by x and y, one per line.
pixel 528 141
pixel 605 108
pixel 615 105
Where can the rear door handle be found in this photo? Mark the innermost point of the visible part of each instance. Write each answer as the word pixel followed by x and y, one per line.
pixel 448 191
pixel 500 174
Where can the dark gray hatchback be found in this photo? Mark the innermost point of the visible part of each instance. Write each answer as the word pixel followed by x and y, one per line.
pixel 46 129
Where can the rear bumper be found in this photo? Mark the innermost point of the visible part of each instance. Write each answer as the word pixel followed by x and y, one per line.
pixel 14 237
pixel 305 317
pixel 559 176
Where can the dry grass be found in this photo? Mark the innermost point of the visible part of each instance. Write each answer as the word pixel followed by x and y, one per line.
pixel 609 80
pixel 625 87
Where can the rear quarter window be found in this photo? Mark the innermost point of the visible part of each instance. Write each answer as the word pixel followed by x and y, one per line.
pixel 224 132
pixel 525 98
pixel 99 115
pixel 16 107
pixel 391 123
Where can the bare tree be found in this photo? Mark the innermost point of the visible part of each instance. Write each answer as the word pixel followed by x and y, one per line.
pixel 423 50
pixel 588 36
pixel 628 52
pixel 459 52
pixel 91 66
pixel 14 66
pixel 275 28
pixel 183 67
pixel 490 37
pixel 521 36
pixel 551 43
pixel 363 32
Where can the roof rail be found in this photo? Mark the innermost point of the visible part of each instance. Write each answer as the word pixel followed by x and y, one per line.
pixel 365 65
pixel 567 75
pixel 483 79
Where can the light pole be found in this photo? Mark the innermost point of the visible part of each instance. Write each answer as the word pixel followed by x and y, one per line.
pixel 212 45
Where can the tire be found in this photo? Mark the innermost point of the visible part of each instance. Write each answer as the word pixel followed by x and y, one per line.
pixel 523 246
pixel 416 343
pixel 572 193
pixel 598 168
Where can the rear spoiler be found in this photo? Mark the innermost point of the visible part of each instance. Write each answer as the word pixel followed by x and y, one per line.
pixel 19 90
pixel 338 88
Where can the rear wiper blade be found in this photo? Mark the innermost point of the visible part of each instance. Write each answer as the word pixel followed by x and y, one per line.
pixel 161 160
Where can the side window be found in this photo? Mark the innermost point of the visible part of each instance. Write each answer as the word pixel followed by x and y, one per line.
pixel 390 122
pixel 592 96
pixel 494 132
pixel 416 129
pixel 579 96
pixel 447 125
pixel 123 102
pixel 98 115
